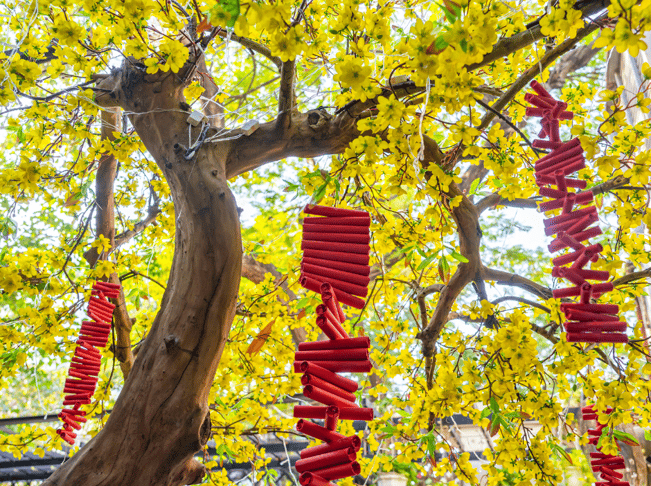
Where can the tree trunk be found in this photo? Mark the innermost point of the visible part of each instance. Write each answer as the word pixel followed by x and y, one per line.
pixel 161 418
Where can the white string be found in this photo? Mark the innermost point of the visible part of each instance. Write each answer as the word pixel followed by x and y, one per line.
pixel 421 151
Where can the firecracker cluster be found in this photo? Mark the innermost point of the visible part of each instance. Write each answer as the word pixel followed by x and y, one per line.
pixel 587 321
pixel 86 361
pixel 335 265
pixel 604 464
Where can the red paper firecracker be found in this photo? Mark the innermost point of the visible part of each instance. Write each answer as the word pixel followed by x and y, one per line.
pixel 587 321
pixel 604 464
pixel 86 361
pixel 335 265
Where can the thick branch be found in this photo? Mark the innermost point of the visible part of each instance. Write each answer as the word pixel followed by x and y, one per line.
pixel 106 172
pixel 286 95
pixel 310 135
pixel 466 218
pixel 504 47
pixel 514 280
pixel 632 277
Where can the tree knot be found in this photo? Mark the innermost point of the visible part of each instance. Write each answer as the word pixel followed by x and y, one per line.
pixel 318 118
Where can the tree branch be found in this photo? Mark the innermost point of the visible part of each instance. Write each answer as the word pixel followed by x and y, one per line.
pixel 569 63
pixel 514 280
pixel 632 277
pixel 507 46
pixel 286 95
pixel 310 135
pixel 106 172
pixel 254 46
pixel 522 301
pixel 496 200
pixel 535 70
pixel 139 227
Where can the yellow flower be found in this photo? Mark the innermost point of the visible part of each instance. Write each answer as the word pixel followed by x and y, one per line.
pixel 352 73
pixel 104 268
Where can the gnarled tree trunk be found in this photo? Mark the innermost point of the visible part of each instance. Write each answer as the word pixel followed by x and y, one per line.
pixel 161 418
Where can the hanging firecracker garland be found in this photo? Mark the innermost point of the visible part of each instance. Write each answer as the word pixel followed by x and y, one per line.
pixel 587 321
pixel 85 365
pixel 604 464
pixel 335 265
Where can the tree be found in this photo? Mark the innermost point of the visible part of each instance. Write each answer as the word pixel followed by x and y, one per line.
pixel 421 108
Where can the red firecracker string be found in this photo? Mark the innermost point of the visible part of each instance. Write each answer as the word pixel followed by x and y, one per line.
pixel 335 265
pixel 604 464
pixel 86 361
pixel 587 322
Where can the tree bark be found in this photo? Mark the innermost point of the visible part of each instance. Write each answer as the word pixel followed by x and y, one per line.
pixel 161 418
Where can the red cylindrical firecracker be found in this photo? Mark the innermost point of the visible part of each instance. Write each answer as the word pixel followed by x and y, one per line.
pixel 338 472
pixel 596 337
pixel 358 342
pixel 331 417
pixel 340 366
pixel 357 354
pixel 334 246
pixel 308 379
pixel 342 456
pixel 330 300
pixel 353 441
pixel 316 431
pixel 328 328
pixel 335 274
pixel 615 326
pixel 327 375
pixel 580 315
pixel 598 308
pixel 360 239
pixel 312 228
pixel 334 212
pixel 363 270
pixel 309 479
pixel 338 256
pixel 339 221
pixel 322 396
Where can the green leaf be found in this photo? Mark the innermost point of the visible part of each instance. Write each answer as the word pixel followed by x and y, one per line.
pixel 494 426
pixel 458 256
pixel 647 434
pixel 233 8
pixel 492 404
pixel 474 186
pixel 426 262
pixel 562 453
pixel 440 43
pixel 320 192
pixel 626 438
